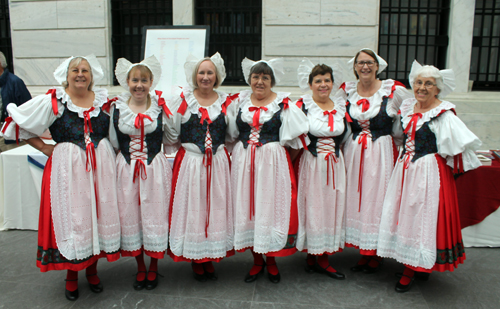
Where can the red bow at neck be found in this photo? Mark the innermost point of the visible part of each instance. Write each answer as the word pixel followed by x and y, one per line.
pixel 256 115
pixel 330 118
pixel 412 125
pixel 139 124
pixel 366 104
pixel 204 115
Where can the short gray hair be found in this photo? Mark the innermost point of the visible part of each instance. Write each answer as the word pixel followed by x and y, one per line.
pixel 3 61
pixel 197 67
pixel 429 71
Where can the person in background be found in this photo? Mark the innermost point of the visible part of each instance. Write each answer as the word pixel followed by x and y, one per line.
pixel 420 224
pixel 12 90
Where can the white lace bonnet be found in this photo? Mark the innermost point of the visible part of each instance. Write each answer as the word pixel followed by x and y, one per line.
pixel 448 78
pixel 192 61
pixel 382 64
pixel 123 67
pixel 275 64
pixel 61 73
pixel 305 68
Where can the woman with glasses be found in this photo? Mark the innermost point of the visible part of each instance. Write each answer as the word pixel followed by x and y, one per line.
pixel 420 224
pixel 370 153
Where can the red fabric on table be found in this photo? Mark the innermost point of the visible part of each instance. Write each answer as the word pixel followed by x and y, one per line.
pixel 478 193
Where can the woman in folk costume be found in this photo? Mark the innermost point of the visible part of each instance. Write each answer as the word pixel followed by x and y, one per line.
pixel 262 177
pixel 79 220
pixel 321 172
pixel 420 225
pixel 201 226
pixel 139 121
pixel 369 155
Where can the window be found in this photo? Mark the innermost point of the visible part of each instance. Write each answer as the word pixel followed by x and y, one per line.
pixel 412 29
pixel 235 32
pixel 5 42
pixel 128 18
pixel 484 67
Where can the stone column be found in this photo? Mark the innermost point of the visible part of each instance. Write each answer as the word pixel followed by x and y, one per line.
pixel 460 31
pixel 183 12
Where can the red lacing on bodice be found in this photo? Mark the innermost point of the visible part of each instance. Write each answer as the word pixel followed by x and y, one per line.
pixel 207 161
pixel 253 141
pixel 326 145
pixel 330 118
pixel 363 140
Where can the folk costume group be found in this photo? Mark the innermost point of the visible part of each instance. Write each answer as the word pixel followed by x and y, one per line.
pixel 360 164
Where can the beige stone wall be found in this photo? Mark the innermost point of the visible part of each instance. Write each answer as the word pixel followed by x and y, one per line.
pixel 325 31
pixel 44 33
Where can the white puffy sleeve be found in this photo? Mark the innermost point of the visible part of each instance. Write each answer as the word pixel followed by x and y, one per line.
pixel 294 127
pixel 453 138
pixel 172 126
pixel 393 105
pixel 113 138
pixel 33 117
pixel 232 131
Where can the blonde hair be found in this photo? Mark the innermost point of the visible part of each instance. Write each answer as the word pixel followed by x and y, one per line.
pixel 74 63
pixel 197 67
pixel 145 73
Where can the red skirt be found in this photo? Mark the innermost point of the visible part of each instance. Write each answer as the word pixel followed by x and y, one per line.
pixel 450 247
pixel 48 255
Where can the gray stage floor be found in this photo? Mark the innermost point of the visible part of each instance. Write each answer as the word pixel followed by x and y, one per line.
pixel 475 284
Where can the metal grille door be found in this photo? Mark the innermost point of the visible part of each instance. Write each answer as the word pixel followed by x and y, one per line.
pixel 128 18
pixel 235 32
pixel 5 42
pixel 484 67
pixel 412 29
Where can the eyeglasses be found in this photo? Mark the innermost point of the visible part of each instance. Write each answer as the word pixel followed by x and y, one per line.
pixel 362 63
pixel 427 85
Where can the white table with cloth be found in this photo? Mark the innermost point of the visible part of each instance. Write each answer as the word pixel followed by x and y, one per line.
pixel 21 171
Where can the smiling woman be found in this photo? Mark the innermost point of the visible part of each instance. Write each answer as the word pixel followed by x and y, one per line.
pixel 77 225
pixel 264 188
pixel 140 121
pixel 422 230
pixel 201 229
pixel 369 152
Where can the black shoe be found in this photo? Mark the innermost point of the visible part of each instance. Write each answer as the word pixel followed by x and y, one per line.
pixel 370 270
pixel 336 275
pixel 309 268
pixel 401 288
pixel 151 284
pixel 71 295
pixel 357 268
pixel 139 285
pixel 418 275
pixel 274 278
pixel 251 278
pixel 200 277
pixel 96 288
pixel 211 276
